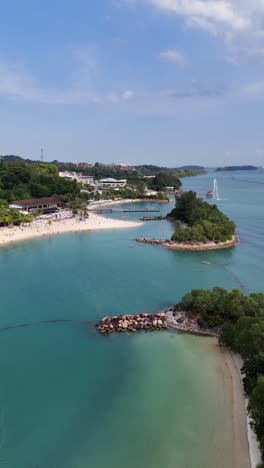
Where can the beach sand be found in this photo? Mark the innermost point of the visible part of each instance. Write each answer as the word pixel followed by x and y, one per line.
pixel 42 228
pixel 103 203
pixel 246 450
pixel 255 455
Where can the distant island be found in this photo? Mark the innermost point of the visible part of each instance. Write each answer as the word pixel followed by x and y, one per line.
pixel 236 168
pixel 191 168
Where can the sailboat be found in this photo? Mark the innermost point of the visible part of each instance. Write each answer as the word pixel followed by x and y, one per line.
pixel 213 194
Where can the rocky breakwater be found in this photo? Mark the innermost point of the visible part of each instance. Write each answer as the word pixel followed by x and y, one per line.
pixel 132 323
pixel 152 218
pixel 210 245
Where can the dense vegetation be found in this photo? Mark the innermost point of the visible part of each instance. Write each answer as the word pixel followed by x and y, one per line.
pixel 240 319
pixel 100 171
pixel 204 222
pixel 12 216
pixel 21 181
pixel 163 180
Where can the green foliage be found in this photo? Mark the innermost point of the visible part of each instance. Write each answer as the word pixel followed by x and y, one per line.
pixel 10 216
pixel 21 181
pixel 237 312
pixel 252 367
pixel 163 180
pixel 256 411
pixel 205 222
pixel 101 171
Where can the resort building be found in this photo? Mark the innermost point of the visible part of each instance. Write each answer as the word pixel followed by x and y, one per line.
pixel 86 180
pixel 47 205
pixel 109 183
pixel 82 179
pixel 68 175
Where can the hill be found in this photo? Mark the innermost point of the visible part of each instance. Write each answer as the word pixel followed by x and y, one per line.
pixel 236 168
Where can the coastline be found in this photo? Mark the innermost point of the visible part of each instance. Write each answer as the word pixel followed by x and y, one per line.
pixel 238 414
pixel 192 247
pixel 95 205
pixel 42 228
pixel 254 451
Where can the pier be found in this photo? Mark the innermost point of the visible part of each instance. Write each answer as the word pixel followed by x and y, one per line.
pixel 141 211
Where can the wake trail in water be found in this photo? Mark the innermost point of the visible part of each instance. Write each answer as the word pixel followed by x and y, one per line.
pixel 89 324
pixel 249 181
pixel 235 277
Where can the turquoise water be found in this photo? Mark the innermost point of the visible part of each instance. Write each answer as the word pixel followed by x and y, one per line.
pixel 72 399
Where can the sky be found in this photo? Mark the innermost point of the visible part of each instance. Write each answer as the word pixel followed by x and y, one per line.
pixel 166 82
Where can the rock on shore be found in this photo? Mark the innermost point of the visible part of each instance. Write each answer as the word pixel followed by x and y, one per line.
pixel 132 323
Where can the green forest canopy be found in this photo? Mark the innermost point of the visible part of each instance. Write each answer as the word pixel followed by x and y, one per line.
pixel 204 222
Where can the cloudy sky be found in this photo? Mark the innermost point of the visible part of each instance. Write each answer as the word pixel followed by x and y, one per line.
pixel 167 82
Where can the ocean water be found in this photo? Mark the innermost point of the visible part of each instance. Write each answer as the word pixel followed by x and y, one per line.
pixel 70 398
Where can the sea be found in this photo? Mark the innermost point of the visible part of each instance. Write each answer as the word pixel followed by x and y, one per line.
pixel 71 398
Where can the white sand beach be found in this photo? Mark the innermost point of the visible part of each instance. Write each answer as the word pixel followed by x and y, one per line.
pixel 43 227
pixel 254 451
pixel 103 203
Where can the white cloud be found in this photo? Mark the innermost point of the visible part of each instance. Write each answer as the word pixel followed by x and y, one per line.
pixel 174 56
pixel 128 94
pixel 207 13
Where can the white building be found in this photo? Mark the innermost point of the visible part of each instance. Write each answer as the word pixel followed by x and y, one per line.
pixel 82 179
pixel 68 175
pixel 86 180
pixel 111 183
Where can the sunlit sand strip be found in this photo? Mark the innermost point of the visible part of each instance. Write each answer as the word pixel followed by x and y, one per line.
pixel 9 235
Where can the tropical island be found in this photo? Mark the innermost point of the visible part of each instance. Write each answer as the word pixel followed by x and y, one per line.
pixel 235 318
pixel 201 226
pixel 236 168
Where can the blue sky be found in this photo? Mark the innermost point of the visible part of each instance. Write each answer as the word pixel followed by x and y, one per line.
pixel 168 82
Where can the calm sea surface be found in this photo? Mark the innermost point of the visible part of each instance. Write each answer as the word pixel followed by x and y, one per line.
pixel 72 399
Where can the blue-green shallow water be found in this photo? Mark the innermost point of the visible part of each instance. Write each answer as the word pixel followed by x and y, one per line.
pixel 72 399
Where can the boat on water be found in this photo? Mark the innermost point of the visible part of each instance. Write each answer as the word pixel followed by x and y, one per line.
pixel 213 194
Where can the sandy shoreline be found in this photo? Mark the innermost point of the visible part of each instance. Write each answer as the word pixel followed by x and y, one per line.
pixel 42 228
pixel 255 455
pixel 103 203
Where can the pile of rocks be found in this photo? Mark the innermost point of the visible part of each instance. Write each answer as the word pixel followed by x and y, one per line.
pixel 152 218
pixel 146 240
pixel 132 323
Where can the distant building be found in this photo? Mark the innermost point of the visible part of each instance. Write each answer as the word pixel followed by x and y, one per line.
pixel 170 189
pixel 148 193
pixel 126 167
pixel 82 179
pixel 47 204
pixel 104 184
pixel 68 175
pixel 88 180
pixel 84 165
